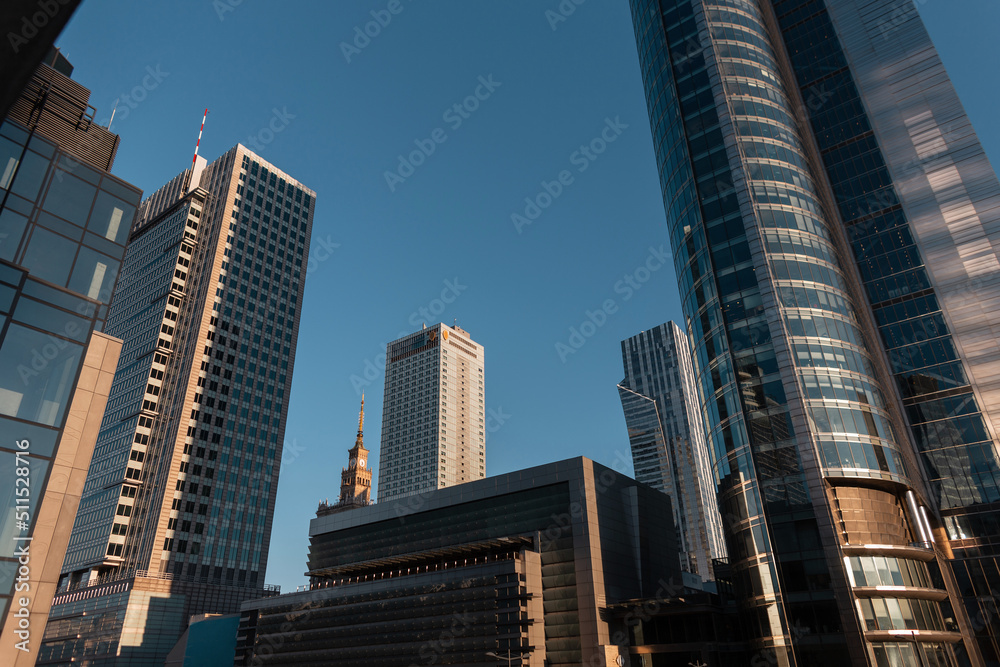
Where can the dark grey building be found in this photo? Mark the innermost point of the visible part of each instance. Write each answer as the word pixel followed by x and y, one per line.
pixel 833 220
pixel 523 563
pixel 63 224
pixel 667 439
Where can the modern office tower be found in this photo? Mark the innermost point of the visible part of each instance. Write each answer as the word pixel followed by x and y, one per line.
pixel 176 513
pixel 434 413
pixel 833 219
pixel 667 438
pixel 522 564
pixel 63 224
pixel 356 478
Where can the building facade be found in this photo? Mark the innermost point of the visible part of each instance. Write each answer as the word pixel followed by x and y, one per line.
pixel 521 564
pixel 830 211
pixel 64 220
pixel 179 499
pixel 434 413
pixel 667 439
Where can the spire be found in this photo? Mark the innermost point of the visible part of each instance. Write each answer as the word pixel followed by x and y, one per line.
pixel 361 421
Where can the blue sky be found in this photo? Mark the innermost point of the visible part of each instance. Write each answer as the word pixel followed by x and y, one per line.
pixel 531 93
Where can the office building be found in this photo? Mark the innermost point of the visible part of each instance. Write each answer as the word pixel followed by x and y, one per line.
pixel 63 223
pixel 521 564
pixel 433 414
pixel 176 513
pixel 667 439
pixel 833 221
pixel 356 478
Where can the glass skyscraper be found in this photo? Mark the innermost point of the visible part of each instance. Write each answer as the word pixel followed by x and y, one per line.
pixel 64 220
pixel 176 513
pixel 833 221
pixel 667 439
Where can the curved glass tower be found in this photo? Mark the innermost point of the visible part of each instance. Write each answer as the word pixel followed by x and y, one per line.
pixel 831 529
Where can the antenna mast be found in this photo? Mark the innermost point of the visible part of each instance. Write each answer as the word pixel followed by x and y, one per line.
pixel 195 158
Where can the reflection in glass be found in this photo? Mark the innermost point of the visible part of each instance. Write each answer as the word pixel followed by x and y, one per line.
pixel 37 373
pixel 69 198
pixel 111 217
pixel 94 275
pixel 11 230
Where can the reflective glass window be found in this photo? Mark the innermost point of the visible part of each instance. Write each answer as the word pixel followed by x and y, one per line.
pixel 37 375
pixel 69 197
pixel 49 256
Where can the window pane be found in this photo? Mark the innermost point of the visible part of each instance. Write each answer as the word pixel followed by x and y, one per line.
pixel 54 320
pixel 112 218
pixel 10 153
pixel 49 256
pixel 43 440
pixel 94 275
pixel 11 230
pixel 29 175
pixel 69 197
pixel 37 469
pixel 37 375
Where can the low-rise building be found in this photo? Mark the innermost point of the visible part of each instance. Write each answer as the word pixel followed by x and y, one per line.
pixel 520 564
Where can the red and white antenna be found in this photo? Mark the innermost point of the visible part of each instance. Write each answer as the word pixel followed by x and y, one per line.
pixel 195 158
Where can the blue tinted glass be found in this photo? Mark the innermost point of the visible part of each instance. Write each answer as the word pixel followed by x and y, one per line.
pixel 30 175
pixel 37 375
pixel 11 131
pixel 37 471
pixel 10 153
pixel 111 218
pixel 6 298
pixel 49 256
pixel 42 440
pixel 54 320
pixel 69 198
pixel 94 275
pixel 12 226
pixel 60 298
pixel 116 188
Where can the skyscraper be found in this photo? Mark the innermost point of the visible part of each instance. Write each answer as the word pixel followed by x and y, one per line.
pixel 434 413
pixel 63 224
pixel 832 216
pixel 176 512
pixel 668 440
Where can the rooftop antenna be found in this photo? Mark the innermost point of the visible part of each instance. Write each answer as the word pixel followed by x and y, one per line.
pixel 195 158
pixel 113 113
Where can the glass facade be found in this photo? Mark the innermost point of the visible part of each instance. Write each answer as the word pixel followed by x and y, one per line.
pixel 667 439
pixel 62 227
pixel 791 381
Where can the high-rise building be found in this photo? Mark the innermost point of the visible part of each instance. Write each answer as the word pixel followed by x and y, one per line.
pixel 176 512
pixel 63 223
pixel 667 439
pixel 434 413
pixel 833 220
pixel 356 478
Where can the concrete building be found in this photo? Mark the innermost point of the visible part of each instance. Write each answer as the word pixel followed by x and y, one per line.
pixel 176 514
pixel 433 414
pixel 833 220
pixel 63 223
pixel 521 564
pixel 667 439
